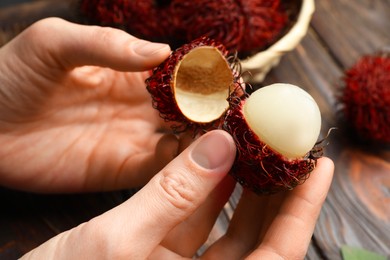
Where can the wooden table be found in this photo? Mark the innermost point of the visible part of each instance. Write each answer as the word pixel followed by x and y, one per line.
pixel 357 210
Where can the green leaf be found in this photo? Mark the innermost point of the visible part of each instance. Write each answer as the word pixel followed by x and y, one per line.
pixel 354 253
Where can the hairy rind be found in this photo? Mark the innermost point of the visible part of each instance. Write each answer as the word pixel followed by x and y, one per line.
pixel 259 168
pixel 366 98
pixel 243 26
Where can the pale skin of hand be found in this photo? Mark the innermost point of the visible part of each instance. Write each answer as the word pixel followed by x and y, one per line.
pixel 69 127
pixel 65 125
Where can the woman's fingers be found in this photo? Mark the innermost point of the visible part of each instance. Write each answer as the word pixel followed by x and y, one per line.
pixel 276 225
pixel 181 188
pixel 200 223
pixel 245 225
pixel 61 44
pixel 135 170
pixel 135 228
pixel 290 232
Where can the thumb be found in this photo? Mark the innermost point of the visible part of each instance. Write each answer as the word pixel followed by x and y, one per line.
pixel 135 228
pixel 69 45
pixel 172 195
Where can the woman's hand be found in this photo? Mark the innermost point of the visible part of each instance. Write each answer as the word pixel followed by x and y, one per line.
pixel 279 226
pixel 74 111
pixel 172 216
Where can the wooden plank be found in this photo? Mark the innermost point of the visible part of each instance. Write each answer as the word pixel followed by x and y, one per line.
pixel 357 211
pixel 351 214
pixel 352 28
pixel 15 18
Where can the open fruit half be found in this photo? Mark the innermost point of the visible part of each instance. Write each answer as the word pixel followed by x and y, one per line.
pixel 192 86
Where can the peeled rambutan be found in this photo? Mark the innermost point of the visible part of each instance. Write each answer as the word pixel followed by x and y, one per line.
pixel 275 130
pixel 192 85
pixel 366 98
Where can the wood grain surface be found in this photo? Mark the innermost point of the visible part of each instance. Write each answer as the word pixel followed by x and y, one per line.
pixel 357 210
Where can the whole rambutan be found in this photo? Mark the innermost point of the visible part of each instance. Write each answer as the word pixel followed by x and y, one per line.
pixel 104 12
pixel 147 19
pixel 265 22
pixel 366 98
pixel 221 20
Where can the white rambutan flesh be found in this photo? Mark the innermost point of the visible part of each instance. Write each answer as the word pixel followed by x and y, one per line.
pixel 284 117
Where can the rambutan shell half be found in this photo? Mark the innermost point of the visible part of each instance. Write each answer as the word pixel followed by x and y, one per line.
pixel 192 85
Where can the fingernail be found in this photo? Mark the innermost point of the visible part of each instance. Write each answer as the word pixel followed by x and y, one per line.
pixel 213 150
pixel 146 48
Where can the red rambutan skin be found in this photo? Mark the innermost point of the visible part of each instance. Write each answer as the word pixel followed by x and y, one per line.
pixel 105 12
pixel 265 21
pixel 243 26
pixel 221 20
pixel 160 86
pixel 142 18
pixel 258 167
pixel 366 98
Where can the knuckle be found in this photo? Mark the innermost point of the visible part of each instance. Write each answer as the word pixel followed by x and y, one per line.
pixel 42 36
pixel 92 229
pixel 104 34
pixel 180 191
pixel 42 28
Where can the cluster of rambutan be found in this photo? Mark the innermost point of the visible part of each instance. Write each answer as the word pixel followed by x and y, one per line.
pixel 245 26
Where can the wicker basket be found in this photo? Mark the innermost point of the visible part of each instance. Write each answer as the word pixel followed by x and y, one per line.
pixel 261 63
